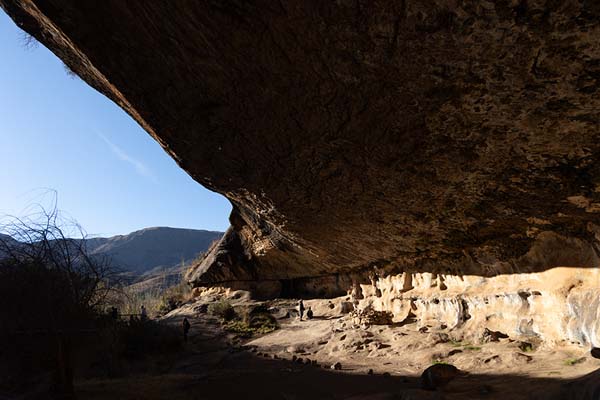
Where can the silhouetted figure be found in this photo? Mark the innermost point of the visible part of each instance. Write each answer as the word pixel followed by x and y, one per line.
pixel 131 319
pixel 186 328
pixel 143 314
pixel 309 313
pixel 114 313
pixel 300 309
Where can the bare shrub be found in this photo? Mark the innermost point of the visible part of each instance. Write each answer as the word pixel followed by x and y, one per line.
pixel 222 309
pixel 56 291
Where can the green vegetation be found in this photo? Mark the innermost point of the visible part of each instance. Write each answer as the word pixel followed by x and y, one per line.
pixel 574 361
pixel 160 295
pixel 472 348
pixel 526 347
pixel 222 309
pixel 249 321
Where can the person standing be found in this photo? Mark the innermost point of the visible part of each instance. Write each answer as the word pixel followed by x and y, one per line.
pixel 143 314
pixel 300 309
pixel 186 328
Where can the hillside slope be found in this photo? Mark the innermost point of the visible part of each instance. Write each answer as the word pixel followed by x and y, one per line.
pixel 153 249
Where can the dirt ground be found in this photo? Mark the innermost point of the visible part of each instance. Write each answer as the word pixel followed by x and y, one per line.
pixel 218 365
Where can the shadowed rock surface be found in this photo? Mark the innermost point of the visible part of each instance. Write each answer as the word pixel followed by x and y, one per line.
pixel 444 137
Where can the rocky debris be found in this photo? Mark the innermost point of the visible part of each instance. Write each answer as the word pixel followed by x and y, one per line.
pixel 521 358
pixel 368 316
pixel 346 307
pixel 453 352
pixel 438 376
pixel 492 336
pixel 370 371
pixel 495 359
pixel 201 309
pixel 295 349
pixel 525 346
pixel 439 337
pixel 279 313
pixel 595 352
pixel 337 366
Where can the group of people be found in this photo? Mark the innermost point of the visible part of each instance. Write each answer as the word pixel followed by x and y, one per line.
pixel 309 312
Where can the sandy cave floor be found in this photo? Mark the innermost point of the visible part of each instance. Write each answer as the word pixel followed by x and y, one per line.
pixel 217 364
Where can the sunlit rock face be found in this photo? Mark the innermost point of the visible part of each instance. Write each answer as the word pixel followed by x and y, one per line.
pixel 555 306
pixel 440 138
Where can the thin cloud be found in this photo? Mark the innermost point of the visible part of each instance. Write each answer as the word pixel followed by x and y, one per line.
pixel 139 166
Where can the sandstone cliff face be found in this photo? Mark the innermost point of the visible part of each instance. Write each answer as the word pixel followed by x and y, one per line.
pixel 444 137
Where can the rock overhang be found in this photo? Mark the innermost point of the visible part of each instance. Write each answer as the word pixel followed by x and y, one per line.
pixel 353 136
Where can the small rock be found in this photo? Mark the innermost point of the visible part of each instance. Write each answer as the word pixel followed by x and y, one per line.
pixel 423 329
pixel 294 358
pixel 493 336
pixel 343 337
pixel 299 360
pixel 525 346
pixel 337 366
pixel 346 307
pixel 440 337
pixel 496 359
pixel 259 354
pixel 595 352
pixel 275 357
pixel 453 352
pixel 520 357
pixel 438 375
pixel 386 374
pixel 370 372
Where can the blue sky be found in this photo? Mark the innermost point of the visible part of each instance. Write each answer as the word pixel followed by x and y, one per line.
pixel 57 132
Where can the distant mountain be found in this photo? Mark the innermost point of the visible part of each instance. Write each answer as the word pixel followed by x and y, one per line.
pixel 151 250
pixel 148 251
pixel 6 238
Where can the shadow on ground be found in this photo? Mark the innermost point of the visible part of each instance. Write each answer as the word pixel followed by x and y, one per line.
pixel 212 367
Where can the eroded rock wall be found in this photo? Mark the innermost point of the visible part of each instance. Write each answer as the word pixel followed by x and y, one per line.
pixel 557 305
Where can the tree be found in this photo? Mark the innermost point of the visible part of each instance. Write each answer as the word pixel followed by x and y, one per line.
pixel 53 292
